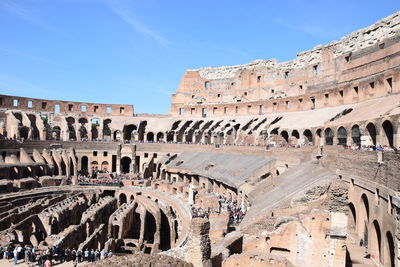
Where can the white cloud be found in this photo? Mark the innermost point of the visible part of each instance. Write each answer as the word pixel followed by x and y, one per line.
pixel 314 30
pixel 127 16
pixel 26 55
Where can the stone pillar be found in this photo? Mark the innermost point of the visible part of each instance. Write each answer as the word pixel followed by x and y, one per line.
pixel 199 246
pixel 118 160
pixel 396 135
pixel 100 133
pixel 191 195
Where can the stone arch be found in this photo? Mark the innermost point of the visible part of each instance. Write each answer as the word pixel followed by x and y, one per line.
pixel 35 135
pixel 126 164
pixel 24 132
pixel 122 199
pixel 285 136
pixel 353 218
pixel 94 165
pixel 150 227
pixel 363 219
pixel 71 128
pixel 63 168
pixel 117 135
pixel 71 167
pixel 106 129
pixel 95 123
pixel 104 166
pixel 170 136
pixel 387 128
pixel 129 131
pixel 165 232
pixel 84 164
pixel 150 137
pixel 295 134
pixel 356 134
pixel 56 132
pixel 328 136
pixel 389 251
pixel 342 136
pixel 308 137
pixel 160 137
pixel 374 243
pixel 82 129
pixel 371 129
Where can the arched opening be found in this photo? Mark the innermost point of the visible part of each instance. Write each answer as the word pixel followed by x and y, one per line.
pixel 308 136
pixel 94 165
pixel 95 132
pixel 356 135
pixel 389 255
pixel 375 241
pixel 84 165
pixel 352 218
pixel 71 128
pixel 35 131
pixel 388 129
pixel 126 164
pixel 372 132
pixel 165 233
pixel 363 220
pixel 104 166
pixel 122 199
pixel 342 136
pixel 134 230
pixel 63 168
pixel 23 132
pixel 149 228
pixel 56 133
pixel 329 136
pixel 106 129
pixel 142 130
pixel 82 130
pixel 117 135
pixel 129 131
pixel 285 136
pixel 160 137
pixel 150 137
pixel 295 134
pixel 170 136
pixel 71 167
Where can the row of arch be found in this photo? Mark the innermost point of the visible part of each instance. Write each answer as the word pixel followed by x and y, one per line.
pixel 343 136
pixel 380 242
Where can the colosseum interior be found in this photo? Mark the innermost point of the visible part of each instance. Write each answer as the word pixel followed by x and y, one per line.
pixel 265 164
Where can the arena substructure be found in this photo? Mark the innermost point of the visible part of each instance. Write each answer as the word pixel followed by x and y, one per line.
pixel 263 164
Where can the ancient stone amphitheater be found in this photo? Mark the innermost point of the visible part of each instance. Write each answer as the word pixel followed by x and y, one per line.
pixel 263 164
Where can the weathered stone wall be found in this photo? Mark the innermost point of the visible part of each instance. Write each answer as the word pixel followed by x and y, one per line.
pixel 319 74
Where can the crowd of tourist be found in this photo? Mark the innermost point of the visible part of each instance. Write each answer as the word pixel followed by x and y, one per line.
pixel 236 210
pixel 200 212
pixel 372 148
pixel 46 258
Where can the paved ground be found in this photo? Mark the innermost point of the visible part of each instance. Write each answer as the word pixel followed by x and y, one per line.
pixel 6 263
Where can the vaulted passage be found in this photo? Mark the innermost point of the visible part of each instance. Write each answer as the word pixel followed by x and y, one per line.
pixel 372 132
pixel 126 164
pixel 356 135
pixel 388 131
pixel 129 131
pixel 329 137
pixel 342 136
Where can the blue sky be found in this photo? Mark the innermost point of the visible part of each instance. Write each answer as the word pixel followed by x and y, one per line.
pixel 135 52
